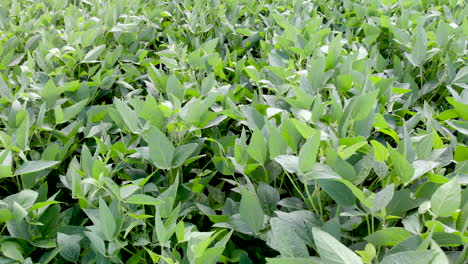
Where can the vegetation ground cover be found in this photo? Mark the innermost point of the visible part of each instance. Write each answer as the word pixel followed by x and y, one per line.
pixel 237 131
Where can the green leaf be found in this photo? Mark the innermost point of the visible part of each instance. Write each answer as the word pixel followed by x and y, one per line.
pixel 93 54
pixel 446 199
pixel 12 250
pixel 5 215
pixel 331 251
pixel 319 171
pixel 268 197
pixel 182 153
pixel 383 197
pixel 403 168
pixel 363 105
pixel 413 257
pixel 128 115
pixel 308 153
pixel 368 254
pixel 338 192
pixel 96 242
pixel 50 93
pixel 287 242
pixel 380 151
pixel 70 246
pixel 292 261
pixel 161 149
pixel 35 166
pixel 253 73
pixel 175 87
pixel 419 51
pixel 289 163
pixel 71 112
pixel 357 192
pixel 143 199
pixel 389 236
pixel 107 221
pixel 251 211
pixel 257 148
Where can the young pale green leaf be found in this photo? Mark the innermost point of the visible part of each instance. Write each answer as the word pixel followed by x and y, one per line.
pixel 446 199
pixel 308 153
pixel 380 151
pixel 251 211
pixel 332 251
pixel 160 147
pixel 368 254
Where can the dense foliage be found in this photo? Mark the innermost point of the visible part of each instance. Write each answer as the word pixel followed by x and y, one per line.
pixel 237 131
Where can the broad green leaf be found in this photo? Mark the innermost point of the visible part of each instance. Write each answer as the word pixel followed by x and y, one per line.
pixel 93 54
pixel 446 199
pixel 257 148
pixel 97 243
pixel 70 246
pixel 175 87
pixel 182 153
pixel 402 167
pixel 319 171
pixel 308 153
pixel 331 250
pixel 35 166
pixel 287 242
pixel 338 192
pixel 383 197
pixel 389 236
pixel 292 261
pixel 161 149
pixel 268 197
pixel 419 51
pixel 143 199
pixel 363 105
pixel 357 192
pixel 251 211
pixel 107 221
pixel 128 115
pixel 289 163
pixel 11 250
pixel 413 257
